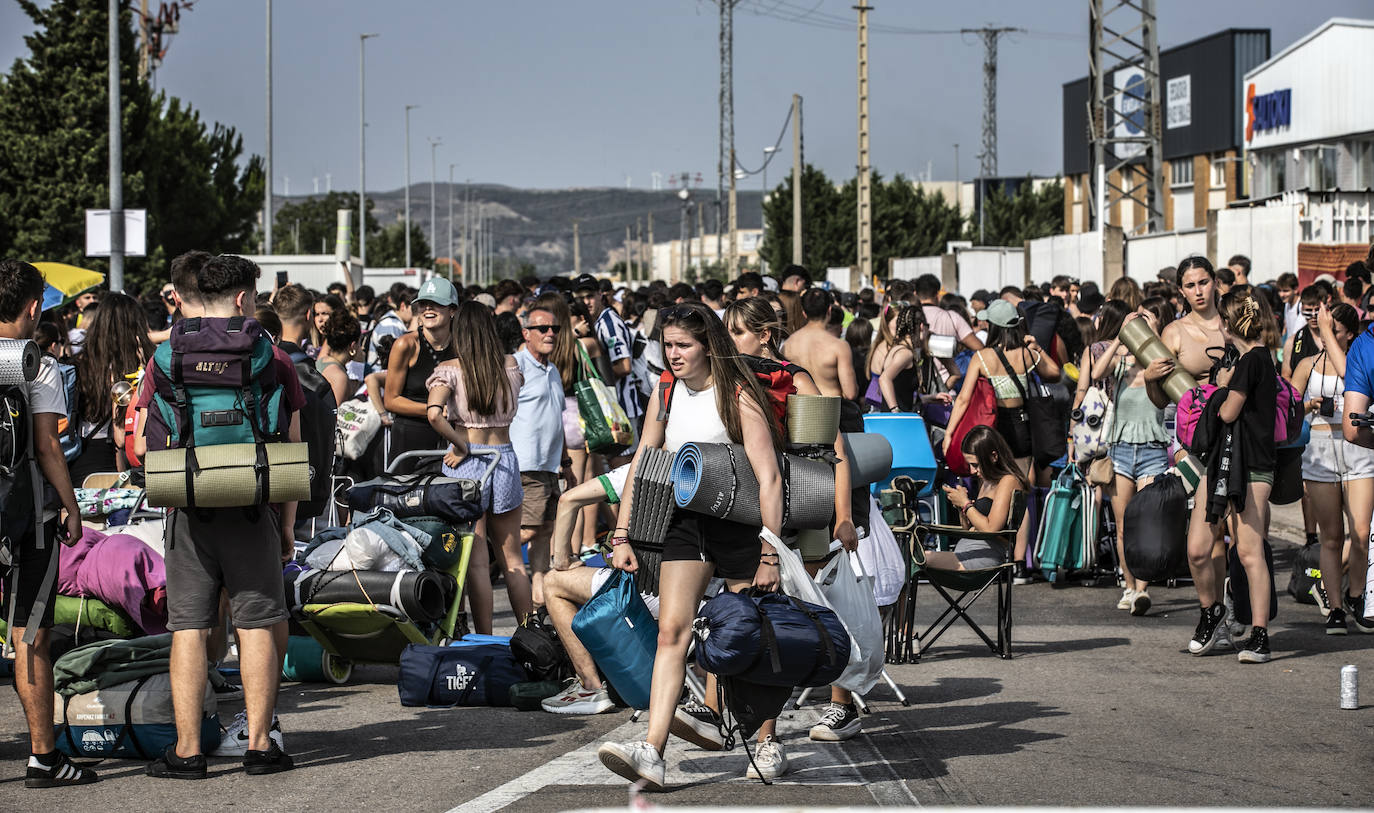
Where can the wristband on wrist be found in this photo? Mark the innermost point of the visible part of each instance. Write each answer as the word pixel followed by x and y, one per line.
pixel 619 540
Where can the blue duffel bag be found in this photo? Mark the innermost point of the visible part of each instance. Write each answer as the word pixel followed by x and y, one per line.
pixel 468 673
pixel 621 634
pixel 771 639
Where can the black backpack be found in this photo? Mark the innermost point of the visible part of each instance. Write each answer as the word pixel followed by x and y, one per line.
pixel 317 431
pixel 536 647
pixel 16 481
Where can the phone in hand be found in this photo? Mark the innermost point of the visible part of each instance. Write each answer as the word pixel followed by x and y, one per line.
pixel 282 279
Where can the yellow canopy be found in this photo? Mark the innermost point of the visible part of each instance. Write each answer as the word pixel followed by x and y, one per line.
pixel 66 282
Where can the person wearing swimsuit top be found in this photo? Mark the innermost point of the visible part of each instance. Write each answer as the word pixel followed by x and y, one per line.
pixel 999 478
pixel 414 357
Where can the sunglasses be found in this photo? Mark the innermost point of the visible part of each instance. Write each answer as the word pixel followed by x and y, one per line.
pixel 167 295
pixel 545 328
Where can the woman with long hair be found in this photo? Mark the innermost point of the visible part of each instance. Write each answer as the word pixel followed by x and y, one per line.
pixel 877 352
pixel 472 400
pixel 796 318
pixel 715 399
pixel 116 345
pixel 1127 290
pixel 999 478
pixel 1339 475
pixel 910 376
pixel 414 357
pixel 339 334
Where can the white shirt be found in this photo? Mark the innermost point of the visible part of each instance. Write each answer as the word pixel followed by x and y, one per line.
pixel 45 390
pixel 693 418
pixel 537 429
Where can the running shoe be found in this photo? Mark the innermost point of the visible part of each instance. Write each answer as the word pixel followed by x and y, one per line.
pixel 577 699
pixel 636 761
pixel 1233 624
pixel 1140 603
pixel 1211 631
pixel 57 771
pixel 1256 650
pixel 1355 604
pixel 698 725
pixel 839 722
pixel 1335 622
pixel 1127 596
pixel 769 760
pixel 235 740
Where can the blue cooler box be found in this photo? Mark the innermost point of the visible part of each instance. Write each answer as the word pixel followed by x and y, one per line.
pixel 912 454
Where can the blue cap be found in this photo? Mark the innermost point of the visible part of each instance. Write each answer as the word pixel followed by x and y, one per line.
pixel 439 291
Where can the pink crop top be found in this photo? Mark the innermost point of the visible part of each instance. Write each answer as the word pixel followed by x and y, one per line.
pixel 447 375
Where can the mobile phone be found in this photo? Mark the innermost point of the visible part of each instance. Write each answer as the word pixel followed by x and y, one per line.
pixel 1327 408
pixel 281 279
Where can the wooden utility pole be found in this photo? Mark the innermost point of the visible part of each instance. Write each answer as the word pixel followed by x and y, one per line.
pixel 577 252
pixel 701 236
pixel 734 221
pixel 650 264
pixel 865 191
pixel 796 179
pixel 639 248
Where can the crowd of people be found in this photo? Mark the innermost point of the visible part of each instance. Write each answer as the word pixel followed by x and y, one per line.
pixel 491 373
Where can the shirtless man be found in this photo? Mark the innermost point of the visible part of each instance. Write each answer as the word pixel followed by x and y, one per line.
pixel 1189 339
pixel 827 358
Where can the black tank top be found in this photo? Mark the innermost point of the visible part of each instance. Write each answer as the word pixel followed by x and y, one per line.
pixel 423 368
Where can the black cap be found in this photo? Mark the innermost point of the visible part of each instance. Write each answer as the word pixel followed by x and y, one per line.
pixel 586 282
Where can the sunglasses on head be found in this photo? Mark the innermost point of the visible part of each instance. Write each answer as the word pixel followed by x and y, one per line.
pixel 545 328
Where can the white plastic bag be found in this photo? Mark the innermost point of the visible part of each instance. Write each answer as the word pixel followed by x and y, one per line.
pixel 357 423
pixel 850 595
pixel 368 551
pixel 881 558
pixel 330 556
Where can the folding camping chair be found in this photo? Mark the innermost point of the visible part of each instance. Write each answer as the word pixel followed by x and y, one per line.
pixel 959 588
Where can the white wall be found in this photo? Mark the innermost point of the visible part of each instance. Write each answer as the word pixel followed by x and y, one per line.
pixel 1146 254
pixel 990 269
pixel 1268 235
pixel 1075 255
pixel 315 271
pixel 1328 73
pixel 913 267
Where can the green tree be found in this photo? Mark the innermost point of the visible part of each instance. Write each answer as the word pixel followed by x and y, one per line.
pixel 312 220
pixel 820 202
pixel 1027 215
pixel 193 179
pixel 389 248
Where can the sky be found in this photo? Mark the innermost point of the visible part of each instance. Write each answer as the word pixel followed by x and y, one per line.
pixel 587 93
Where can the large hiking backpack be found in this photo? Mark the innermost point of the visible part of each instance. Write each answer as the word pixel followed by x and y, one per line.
pixel 318 431
pixel 69 425
pixel 16 483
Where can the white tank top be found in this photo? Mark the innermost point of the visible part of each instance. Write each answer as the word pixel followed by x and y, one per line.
pixel 693 418
pixel 1325 385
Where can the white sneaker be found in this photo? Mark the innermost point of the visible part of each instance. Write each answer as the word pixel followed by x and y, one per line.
pixel 1140 603
pixel 235 740
pixel 769 760
pixel 1127 596
pixel 636 761
pixel 576 699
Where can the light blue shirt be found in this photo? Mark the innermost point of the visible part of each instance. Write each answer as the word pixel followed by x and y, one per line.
pixel 537 430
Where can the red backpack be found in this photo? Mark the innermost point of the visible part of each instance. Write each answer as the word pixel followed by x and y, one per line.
pixel 775 377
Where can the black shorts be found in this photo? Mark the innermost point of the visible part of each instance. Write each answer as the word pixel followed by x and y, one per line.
pixel 25 579
pixel 732 546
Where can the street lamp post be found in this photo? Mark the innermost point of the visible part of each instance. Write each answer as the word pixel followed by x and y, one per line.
pixel 685 252
pixel 433 222
pixel 450 221
pixel 362 150
pixel 409 108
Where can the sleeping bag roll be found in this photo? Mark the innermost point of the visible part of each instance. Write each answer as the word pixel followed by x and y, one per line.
pixel 422 596
pixel 717 479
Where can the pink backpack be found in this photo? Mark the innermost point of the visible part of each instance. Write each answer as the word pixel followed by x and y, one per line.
pixel 1287 413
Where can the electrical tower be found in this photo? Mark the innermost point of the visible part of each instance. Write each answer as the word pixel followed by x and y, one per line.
pixel 1123 117
pixel 987 159
pixel 155 34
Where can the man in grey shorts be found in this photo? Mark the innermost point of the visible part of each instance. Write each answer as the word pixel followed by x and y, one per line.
pixel 239 550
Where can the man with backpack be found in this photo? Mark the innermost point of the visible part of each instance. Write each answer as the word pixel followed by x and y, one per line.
pixel 237 549
pixel 30 413
pixel 293 304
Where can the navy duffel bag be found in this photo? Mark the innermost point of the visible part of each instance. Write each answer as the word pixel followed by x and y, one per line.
pixel 771 639
pixel 469 673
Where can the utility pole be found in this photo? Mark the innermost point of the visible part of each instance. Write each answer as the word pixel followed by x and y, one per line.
pixel 467 232
pixel 865 208
pixel 362 149
pixel 650 265
pixel 144 46
pixel 629 258
pixel 116 157
pixel 987 159
pixel 639 248
pixel 408 107
pixel 734 222
pixel 1125 121
pixel 450 223
pixel 797 179
pixel 701 236
pixel 267 163
pixel 433 221
pixel 726 144
pixel 577 251
pixel 958 187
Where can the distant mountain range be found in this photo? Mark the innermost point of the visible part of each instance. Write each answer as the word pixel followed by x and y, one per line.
pixel 536 225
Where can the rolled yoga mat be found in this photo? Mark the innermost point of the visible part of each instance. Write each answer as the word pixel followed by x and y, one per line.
pixel 716 479
pixel 653 499
pixel 813 420
pixel 870 457
pixel 19 361
pixel 422 596
pixel 1141 340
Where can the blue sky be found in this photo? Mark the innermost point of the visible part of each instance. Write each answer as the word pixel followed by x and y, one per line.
pixel 564 93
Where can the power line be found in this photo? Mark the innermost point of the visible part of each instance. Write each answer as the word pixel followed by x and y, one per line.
pixel 776 144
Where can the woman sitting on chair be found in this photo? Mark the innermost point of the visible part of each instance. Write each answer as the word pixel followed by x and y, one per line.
pixel 990 459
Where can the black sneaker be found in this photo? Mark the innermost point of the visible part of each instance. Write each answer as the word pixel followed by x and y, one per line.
pixel 1355 604
pixel 1335 622
pixel 171 766
pixel 1211 631
pixel 60 773
pixel 1256 650
pixel 698 725
pixel 1019 574
pixel 839 722
pixel 273 760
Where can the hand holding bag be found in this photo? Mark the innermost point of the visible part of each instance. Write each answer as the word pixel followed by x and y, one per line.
pixel 605 425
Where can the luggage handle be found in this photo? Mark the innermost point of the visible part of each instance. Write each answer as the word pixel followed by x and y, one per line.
pixel 424 454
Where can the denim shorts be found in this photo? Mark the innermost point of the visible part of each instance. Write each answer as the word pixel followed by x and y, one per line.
pixel 1139 460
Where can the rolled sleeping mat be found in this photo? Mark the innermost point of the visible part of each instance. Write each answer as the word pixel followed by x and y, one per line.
pixel 1141 340
pixel 653 501
pixel 870 457
pixel 813 420
pixel 716 479
pixel 19 361
pixel 423 596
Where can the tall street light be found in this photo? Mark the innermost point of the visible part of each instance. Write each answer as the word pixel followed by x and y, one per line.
pixel 362 150
pixel 433 223
pixel 267 164
pixel 450 221
pixel 409 108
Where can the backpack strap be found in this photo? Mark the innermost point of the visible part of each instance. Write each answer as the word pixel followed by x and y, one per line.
pixel 666 381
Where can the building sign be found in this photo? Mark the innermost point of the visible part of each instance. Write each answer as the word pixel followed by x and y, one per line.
pixel 1130 110
pixel 1269 111
pixel 1179 96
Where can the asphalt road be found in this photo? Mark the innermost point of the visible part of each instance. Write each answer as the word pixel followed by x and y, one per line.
pixel 1095 708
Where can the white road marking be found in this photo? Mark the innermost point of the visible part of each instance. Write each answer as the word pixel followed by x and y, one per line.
pixel 852 763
